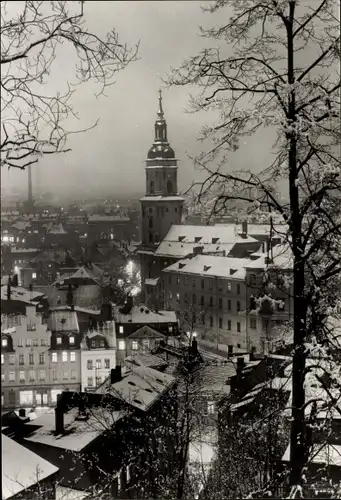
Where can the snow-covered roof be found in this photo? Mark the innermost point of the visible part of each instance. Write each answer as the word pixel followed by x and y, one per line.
pixel 141 387
pixel 148 360
pixel 211 265
pixel 78 433
pixel 181 240
pixel 63 321
pixel 281 258
pixel 141 314
pixel 162 198
pixel 151 281
pixel 21 468
pixel 329 454
pixel 21 294
pixel 24 250
pixel 57 229
pixel 146 332
pixel 108 218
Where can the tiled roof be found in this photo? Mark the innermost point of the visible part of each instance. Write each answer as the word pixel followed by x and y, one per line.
pixel 141 387
pixel 148 360
pixel 146 332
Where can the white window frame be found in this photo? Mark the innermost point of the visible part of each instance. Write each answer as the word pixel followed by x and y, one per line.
pixel 135 345
pixel 54 357
pixel 64 357
pixel 121 345
pixel 72 339
pixel 72 357
pixel 121 329
pixel 59 340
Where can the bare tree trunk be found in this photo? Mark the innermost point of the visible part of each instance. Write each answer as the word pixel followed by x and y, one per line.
pixel 297 441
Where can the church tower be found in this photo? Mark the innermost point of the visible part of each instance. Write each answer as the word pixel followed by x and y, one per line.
pixel 161 207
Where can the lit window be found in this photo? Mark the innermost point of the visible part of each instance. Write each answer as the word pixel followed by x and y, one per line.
pixel 21 376
pixel 170 329
pixel 72 357
pixel 54 357
pixel 135 345
pixel 34 276
pixel 177 296
pixel 210 407
pixel 59 340
pixel 2 377
pixel 121 345
pixel 229 287
pixel 98 364
pixel 72 340
pixel 128 473
pixel 4 342
pixel 2 359
pixel 121 329
pixel 64 357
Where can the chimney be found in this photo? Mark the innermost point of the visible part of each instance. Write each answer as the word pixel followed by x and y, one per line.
pixel 240 365
pixel 59 415
pixel 244 228
pixel 116 374
pixel 22 412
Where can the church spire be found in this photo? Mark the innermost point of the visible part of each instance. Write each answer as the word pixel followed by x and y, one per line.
pixel 160 110
pixel 160 124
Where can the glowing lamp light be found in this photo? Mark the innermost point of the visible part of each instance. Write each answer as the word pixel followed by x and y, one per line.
pixel 5 238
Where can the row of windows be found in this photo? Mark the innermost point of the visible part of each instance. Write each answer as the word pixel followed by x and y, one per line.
pixel 33 375
pixel 134 345
pixel 209 283
pixel 210 302
pixel 91 381
pixel 65 356
pixel 21 357
pixel 98 364
pixel 26 342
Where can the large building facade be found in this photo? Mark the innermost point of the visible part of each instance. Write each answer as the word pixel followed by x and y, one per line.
pixel 161 207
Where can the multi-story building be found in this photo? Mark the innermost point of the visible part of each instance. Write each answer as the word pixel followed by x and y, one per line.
pixel 120 440
pixel 217 297
pixel 98 355
pixel 64 353
pixel 208 293
pixel 131 334
pixel 25 363
pixel 162 206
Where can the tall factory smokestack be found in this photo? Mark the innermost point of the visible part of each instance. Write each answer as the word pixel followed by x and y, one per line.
pixel 30 197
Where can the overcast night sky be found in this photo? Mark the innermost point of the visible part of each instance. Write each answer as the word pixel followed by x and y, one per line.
pixel 111 157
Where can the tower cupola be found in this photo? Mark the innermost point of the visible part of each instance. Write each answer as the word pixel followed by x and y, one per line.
pixel 160 148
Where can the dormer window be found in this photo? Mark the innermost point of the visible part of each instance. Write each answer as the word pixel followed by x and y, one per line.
pixel 59 340
pixel 215 240
pixel 4 342
pixel 71 340
pixel 93 344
